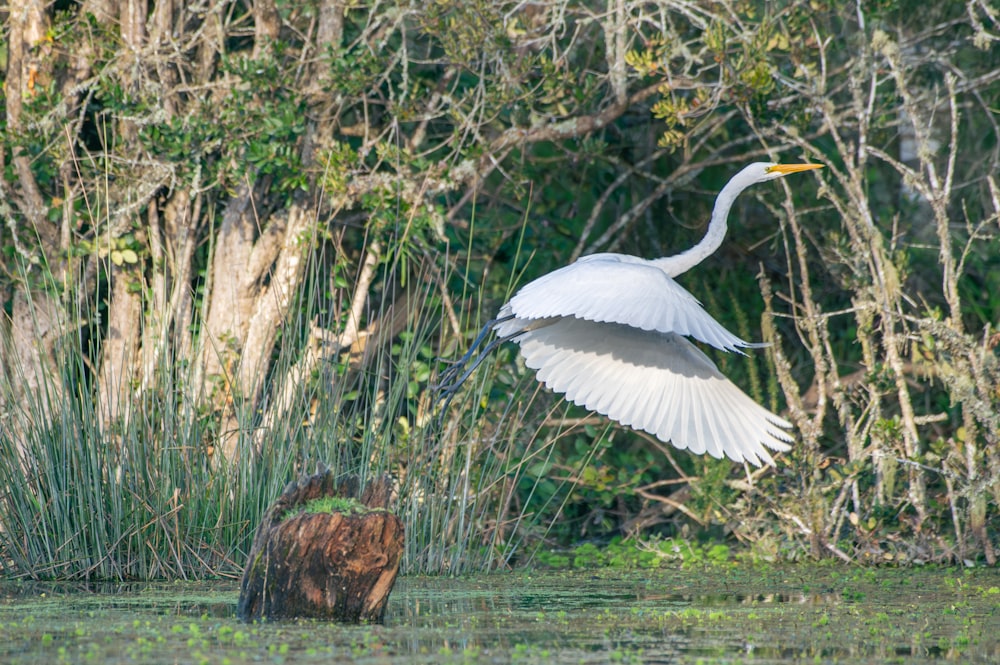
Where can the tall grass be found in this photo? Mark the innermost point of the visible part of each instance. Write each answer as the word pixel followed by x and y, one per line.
pixel 141 501
pixel 142 497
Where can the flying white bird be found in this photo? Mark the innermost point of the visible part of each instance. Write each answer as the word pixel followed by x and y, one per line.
pixel 610 331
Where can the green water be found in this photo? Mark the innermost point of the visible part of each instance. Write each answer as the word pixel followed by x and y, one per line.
pixel 820 614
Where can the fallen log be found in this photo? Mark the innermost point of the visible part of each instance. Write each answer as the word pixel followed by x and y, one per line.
pixel 322 551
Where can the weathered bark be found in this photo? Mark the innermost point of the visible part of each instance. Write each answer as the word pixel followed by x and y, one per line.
pixel 172 241
pixel 330 28
pixel 27 66
pixel 257 269
pixel 339 565
pixel 36 327
pixel 119 349
pixel 274 298
pixel 267 25
pixel 230 303
pixel 133 24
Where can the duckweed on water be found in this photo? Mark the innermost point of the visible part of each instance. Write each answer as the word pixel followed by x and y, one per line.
pixel 686 615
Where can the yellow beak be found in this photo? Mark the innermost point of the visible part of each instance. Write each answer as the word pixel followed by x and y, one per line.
pixel 785 169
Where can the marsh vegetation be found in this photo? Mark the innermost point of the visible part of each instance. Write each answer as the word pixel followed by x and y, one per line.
pixel 240 238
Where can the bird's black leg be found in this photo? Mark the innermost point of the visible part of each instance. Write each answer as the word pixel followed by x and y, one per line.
pixel 453 377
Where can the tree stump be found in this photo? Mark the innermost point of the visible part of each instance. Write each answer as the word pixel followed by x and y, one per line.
pixel 324 552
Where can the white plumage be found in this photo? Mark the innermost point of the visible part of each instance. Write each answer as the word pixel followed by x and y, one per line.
pixel 609 332
pixel 617 288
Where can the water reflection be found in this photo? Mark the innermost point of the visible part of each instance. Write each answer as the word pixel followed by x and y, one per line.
pixel 415 596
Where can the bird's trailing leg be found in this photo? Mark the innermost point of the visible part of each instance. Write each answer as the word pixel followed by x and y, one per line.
pixel 453 377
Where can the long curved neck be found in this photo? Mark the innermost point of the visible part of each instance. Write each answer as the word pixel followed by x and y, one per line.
pixel 681 263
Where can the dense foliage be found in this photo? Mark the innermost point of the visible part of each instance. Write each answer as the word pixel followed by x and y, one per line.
pixel 239 239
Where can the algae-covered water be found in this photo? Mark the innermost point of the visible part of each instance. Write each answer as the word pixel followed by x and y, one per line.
pixel 718 614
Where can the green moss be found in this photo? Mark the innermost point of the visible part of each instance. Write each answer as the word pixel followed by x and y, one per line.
pixel 330 505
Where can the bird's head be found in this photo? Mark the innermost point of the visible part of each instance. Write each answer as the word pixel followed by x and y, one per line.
pixel 751 175
pixel 764 171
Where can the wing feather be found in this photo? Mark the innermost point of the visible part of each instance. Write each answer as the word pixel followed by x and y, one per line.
pixel 617 288
pixel 657 382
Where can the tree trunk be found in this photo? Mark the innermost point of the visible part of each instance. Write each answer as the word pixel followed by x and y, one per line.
pixel 36 328
pixel 338 565
pixel 256 270
pixel 119 350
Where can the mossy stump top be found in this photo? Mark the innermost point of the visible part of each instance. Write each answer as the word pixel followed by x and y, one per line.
pixel 324 551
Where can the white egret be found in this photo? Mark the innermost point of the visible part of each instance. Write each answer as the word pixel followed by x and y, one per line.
pixel 609 331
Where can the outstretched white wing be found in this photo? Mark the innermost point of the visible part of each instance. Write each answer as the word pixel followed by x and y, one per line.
pixel 657 382
pixel 617 288
pixel 609 331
